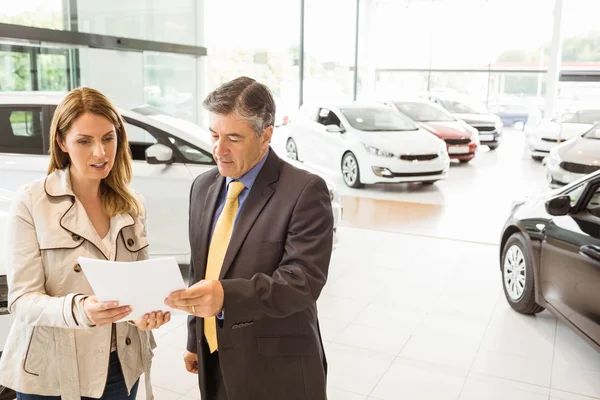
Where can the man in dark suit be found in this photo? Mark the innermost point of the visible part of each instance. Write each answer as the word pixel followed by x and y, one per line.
pixel 261 235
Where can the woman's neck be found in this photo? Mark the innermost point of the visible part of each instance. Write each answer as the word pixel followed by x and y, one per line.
pixel 84 189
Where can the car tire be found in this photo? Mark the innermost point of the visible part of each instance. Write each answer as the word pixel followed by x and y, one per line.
pixel 465 161
pixel 291 149
pixel 351 169
pixel 538 158
pixel 493 146
pixel 516 262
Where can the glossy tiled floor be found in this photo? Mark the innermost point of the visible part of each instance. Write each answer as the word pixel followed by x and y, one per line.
pixel 413 308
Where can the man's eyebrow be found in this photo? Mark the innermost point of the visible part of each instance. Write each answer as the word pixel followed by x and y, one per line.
pixel 232 134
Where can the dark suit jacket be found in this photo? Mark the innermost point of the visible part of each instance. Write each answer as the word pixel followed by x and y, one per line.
pixel 277 262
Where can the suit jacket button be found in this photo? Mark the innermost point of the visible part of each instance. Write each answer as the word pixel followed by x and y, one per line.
pixel 127 341
pixel 77 268
pixel 130 242
pixel 76 237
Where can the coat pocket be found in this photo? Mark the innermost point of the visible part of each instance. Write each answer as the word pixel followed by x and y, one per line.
pixel 288 345
pixel 37 350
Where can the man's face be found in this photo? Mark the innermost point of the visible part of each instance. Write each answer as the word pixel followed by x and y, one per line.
pixel 236 149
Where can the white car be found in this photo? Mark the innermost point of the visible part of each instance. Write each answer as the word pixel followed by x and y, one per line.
pixel 168 153
pixel 574 159
pixel 367 144
pixel 6 319
pixel 547 134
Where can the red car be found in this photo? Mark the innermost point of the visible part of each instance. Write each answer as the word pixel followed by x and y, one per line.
pixel 461 138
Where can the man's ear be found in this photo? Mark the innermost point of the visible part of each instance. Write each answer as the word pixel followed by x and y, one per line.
pixel 267 134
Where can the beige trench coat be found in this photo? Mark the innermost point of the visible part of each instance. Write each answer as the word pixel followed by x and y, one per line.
pixel 51 350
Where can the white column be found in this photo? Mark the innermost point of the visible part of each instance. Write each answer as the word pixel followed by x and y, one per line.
pixel 367 55
pixel 554 61
pixel 201 65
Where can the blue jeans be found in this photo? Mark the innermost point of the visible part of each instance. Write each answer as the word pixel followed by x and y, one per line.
pixel 115 385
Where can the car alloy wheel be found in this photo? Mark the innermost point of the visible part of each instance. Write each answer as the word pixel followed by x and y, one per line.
pixel 350 170
pixel 515 272
pixel 292 150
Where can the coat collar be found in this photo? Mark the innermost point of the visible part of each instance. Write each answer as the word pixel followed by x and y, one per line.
pixel 74 218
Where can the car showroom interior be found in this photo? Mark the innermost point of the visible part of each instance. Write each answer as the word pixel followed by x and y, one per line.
pixel 459 141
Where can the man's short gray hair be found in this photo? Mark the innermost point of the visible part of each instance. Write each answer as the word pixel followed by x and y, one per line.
pixel 246 99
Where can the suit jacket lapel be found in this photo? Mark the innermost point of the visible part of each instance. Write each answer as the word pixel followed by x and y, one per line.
pixel 258 197
pixel 208 212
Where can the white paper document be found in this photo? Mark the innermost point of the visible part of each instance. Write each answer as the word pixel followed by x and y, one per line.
pixel 142 285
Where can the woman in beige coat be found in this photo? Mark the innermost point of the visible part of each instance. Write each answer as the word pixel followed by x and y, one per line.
pixel 64 343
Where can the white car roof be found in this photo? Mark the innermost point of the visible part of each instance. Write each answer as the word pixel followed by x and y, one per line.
pixel 185 130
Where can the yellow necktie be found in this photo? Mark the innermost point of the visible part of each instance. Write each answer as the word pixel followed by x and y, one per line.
pixel 218 248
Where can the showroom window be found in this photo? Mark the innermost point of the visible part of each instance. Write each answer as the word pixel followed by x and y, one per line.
pixel 21 130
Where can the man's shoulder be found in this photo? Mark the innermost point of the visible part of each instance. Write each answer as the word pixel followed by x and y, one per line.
pixel 206 179
pixel 297 176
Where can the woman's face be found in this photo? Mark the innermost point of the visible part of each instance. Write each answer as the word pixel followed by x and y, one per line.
pixel 91 143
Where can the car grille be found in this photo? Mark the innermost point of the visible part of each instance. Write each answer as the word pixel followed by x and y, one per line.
pixel 579 168
pixel 458 141
pixel 3 295
pixel 415 174
pixel 486 128
pixel 419 157
pixel 553 140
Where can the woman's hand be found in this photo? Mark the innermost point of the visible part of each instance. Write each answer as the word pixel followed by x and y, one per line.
pixel 104 313
pixel 153 320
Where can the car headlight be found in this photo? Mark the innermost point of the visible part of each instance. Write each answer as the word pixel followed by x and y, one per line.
pixel 498 125
pixel 554 157
pixel 378 152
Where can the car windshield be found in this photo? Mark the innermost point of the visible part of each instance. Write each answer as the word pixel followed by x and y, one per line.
pixel 423 112
pixel 463 107
pixel 593 133
pixel 375 119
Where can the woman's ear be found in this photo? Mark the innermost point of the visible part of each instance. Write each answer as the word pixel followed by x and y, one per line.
pixel 61 144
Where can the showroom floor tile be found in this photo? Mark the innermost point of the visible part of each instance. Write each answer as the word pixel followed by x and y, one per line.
pixel 420 337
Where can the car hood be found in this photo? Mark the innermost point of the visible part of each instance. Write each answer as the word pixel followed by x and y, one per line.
pixel 554 130
pixel 402 142
pixel 447 130
pixel 490 119
pixel 581 151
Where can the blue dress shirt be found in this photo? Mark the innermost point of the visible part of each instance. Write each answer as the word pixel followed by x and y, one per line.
pixel 248 180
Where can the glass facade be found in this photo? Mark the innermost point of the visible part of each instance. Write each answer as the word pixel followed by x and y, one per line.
pixel 484 49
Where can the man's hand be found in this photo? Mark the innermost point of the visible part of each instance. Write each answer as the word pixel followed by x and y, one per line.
pixel 104 313
pixel 203 299
pixel 153 320
pixel 191 362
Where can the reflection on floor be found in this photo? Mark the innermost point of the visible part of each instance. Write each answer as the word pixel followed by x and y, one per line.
pixel 413 308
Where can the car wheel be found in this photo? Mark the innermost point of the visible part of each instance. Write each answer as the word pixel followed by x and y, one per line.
pixel 465 161
pixel 291 149
pixel 493 146
pixel 519 125
pixel 538 158
pixel 517 276
pixel 351 171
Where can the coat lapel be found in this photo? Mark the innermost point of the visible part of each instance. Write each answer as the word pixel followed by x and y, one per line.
pixel 75 219
pixel 208 212
pixel 258 197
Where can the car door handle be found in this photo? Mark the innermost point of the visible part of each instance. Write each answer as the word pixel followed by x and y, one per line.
pixel 590 251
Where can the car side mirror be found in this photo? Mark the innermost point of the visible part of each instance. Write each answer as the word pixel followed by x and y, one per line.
pixel 333 128
pixel 557 206
pixel 159 154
